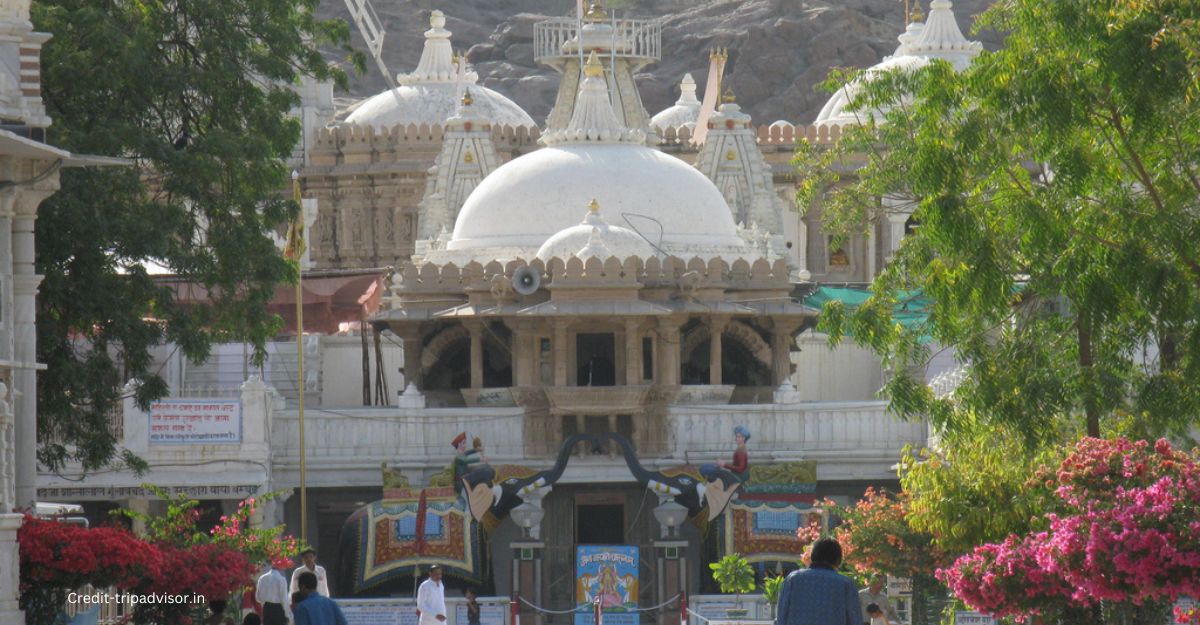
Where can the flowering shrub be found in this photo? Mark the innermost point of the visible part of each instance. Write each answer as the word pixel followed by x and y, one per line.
pixel 875 536
pixel 1126 531
pixel 175 558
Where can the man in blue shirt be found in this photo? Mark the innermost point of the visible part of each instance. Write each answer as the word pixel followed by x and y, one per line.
pixel 316 609
pixel 819 595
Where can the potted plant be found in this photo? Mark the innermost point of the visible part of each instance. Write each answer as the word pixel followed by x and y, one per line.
pixel 734 575
pixel 771 586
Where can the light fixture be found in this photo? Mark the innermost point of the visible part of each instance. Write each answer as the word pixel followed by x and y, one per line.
pixel 670 514
pixel 527 516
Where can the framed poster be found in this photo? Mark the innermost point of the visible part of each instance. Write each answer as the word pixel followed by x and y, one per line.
pixel 608 574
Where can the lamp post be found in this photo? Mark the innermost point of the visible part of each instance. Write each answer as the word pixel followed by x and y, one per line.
pixel 528 516
pixel 527 558
pixel 671 552
pixel 669 515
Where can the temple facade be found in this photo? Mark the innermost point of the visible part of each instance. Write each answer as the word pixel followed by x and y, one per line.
pixel 601 301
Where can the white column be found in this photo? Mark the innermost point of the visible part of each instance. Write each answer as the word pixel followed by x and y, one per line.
pixel 25 284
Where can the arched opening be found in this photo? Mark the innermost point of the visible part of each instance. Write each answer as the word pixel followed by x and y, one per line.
pixel 739 367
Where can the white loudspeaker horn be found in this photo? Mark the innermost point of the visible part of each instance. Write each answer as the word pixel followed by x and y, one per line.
pixel 526 280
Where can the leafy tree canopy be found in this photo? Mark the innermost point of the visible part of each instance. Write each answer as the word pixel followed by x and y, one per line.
pixel 196 94
pixel 1056 185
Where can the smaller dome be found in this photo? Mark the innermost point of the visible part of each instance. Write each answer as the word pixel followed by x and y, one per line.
pixel 431 93
pixel 938 38
pixel 595 237
pixel 685 111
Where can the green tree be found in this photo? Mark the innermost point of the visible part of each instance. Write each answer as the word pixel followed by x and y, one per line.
pixel 196 94
pixel 1056 185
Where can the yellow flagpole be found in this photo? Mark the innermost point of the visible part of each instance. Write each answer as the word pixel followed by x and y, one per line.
pixel 298 250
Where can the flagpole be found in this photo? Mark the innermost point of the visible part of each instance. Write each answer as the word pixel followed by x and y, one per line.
pixel 300 354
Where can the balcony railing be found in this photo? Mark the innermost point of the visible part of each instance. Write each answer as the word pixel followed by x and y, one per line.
pixel 558 38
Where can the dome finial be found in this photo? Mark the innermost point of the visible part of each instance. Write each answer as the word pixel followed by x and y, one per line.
pixel 916 15
pixel 728 98
pixel 467 100
pixel 594 206
pixel 593 68
pixel 595 12
pixel 437 19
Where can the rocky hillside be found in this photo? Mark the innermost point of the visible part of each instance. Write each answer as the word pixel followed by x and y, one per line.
pixel 779 50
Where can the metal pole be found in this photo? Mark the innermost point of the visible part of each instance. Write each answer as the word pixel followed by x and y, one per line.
pixel 300 365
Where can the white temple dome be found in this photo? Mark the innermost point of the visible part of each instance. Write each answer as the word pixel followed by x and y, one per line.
pixel 595 237
pixel 684 112
pixel 431 93
pixel 939 37
pixel 529 199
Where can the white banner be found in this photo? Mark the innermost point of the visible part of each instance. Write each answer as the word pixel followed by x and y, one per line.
pixel 195 421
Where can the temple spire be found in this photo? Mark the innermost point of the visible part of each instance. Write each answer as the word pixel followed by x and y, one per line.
pixel 594 118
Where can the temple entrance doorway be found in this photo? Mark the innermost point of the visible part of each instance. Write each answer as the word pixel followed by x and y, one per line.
pixel 600 519
pixel 595 360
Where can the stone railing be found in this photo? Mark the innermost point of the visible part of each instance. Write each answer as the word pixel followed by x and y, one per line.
pixel 364 138
pixel 346 447
pixel 778 133
pixel 367 437
pixel 651 272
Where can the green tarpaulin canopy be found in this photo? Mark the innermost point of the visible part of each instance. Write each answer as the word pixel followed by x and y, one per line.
pixel 911 310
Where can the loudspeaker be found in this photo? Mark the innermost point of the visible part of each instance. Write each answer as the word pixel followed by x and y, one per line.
pixel 526 280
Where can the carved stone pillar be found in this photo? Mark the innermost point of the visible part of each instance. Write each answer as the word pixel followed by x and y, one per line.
pixel 716 326
pixel 561 366
pixel 410 336
pixel 633 355
pixel 475 329
pixel 669 348
pixel 25 284
pixel 781 349
pixel 522 353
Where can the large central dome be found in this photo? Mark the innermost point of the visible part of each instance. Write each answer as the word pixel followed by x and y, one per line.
pixel 523 203
pixel 530 198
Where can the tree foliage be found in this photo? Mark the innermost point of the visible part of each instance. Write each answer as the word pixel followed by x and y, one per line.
pixel 1056 185
pixel 196 93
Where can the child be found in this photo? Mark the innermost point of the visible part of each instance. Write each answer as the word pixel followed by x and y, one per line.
pixel 875 613
pixel 472 606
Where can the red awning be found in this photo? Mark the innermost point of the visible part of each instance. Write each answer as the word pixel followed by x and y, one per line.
pixel 330 297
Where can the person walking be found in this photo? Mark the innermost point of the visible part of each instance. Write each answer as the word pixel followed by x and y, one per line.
pixel 315 608
pixel 819 595
pixel 272 592
pixel 472 607
pixel 309 559
pixel 431 598
pixel 874 593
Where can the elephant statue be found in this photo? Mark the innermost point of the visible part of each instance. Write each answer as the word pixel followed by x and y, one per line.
pixel 495 491
pixel 683 483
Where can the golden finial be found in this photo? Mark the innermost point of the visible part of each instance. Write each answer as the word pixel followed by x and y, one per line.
pixel 730 155
pixel 594 206
pixel 467 100
pixel 917 15
pixel 593 68
pixel 468 158
pixel 719 54
pixel 728 98
pixel 595 13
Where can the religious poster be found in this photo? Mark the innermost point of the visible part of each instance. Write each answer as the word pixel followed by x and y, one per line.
pixel 609 574
pixel 195 421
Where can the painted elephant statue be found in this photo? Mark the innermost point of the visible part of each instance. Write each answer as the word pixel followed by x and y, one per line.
pixel 683 483
pixel 494 491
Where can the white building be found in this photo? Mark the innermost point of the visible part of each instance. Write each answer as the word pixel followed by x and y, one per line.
pixel 601 275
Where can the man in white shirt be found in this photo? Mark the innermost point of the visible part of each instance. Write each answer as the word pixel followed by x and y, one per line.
pixel 431 598
pixel 873 593
pixel 310 564
pixel 272 593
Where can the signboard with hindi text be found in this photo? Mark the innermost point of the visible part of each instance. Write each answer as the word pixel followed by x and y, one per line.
pixel 195 422
pixel 610 575
pixel 963 617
